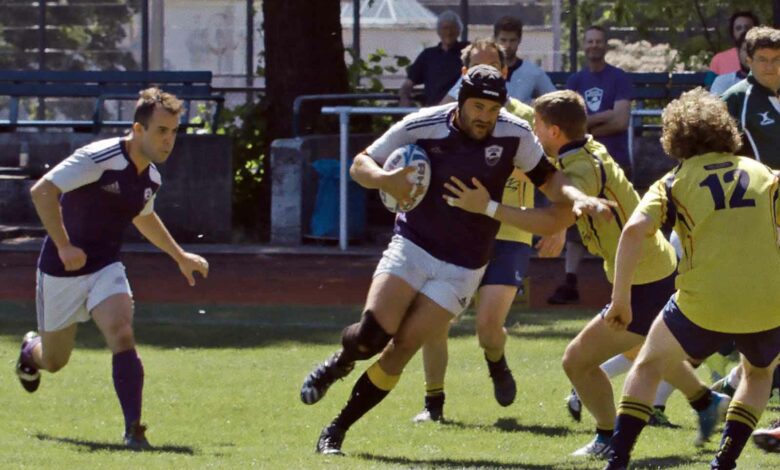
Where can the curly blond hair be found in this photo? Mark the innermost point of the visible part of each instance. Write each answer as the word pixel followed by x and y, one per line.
pixel 698 123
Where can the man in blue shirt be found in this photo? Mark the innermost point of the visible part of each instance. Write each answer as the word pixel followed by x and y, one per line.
pixel 437 67
pixel 434 263
pixel 607 92
pixel 86 203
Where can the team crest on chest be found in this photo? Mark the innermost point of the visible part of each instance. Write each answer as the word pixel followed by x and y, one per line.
pixel 593 98
pixel 147 194
pixel 493 154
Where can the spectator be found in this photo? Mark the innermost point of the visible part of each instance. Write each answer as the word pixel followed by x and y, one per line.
pixel 607 91
pixel 728 61
pixel 526 80
pixel 438 67
pixel 726 81
pixel 753 102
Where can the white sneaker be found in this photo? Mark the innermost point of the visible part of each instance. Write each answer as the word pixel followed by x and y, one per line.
pixel 574 405
pixel 595 448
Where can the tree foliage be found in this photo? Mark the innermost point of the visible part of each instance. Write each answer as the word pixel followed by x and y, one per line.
pixel 80 35
pixel 697 29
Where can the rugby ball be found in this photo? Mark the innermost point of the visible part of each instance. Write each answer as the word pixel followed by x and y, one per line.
pixel 408 155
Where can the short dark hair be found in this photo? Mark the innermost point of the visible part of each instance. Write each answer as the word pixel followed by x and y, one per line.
pixel 481 44
pixel 510 24
pixel 742 14
pixel 597 28
pixel 762 37
pixel 565 109
pixel 149 99
pixel 696 123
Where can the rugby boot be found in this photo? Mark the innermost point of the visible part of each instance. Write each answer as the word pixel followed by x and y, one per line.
pixel 322 377
pixel 29 376
pixel 433 411
pixel 330 441
pixel 710 417
pixel 504 386
pixel 768 439
pixel 135 437
pixel 574 406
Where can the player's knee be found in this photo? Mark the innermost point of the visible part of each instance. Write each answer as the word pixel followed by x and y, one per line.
pixel 571 360
pixel 365 338
pixel 52 363
pixel 121 338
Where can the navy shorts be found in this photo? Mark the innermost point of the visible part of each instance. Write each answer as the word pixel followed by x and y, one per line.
pixel 509 264
pixel 759 348
pixel 647 301
pixel 573 234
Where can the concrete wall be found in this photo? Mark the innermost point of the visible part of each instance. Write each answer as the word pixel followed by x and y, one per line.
pixel 194 201
pixel 294 181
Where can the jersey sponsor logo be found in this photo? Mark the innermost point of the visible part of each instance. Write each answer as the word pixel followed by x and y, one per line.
pixel 765 119
pixel 147 194
pixel 436 150
pixel 493 154
pixel 112 188
pixel 593 98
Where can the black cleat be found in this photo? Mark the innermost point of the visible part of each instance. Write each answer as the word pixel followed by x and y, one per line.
pixel 504 386
pixel 29 376
pixel 564 294
pixel 322 377
pixel 135 437
pixel 574 406
pixel 330 441
pixel 433 411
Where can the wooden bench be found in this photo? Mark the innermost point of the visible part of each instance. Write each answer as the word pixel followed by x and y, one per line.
pixel 101 86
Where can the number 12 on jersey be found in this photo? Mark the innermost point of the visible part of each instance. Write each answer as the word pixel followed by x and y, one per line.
pixel 737 199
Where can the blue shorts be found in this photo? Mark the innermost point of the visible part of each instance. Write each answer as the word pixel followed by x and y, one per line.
pixel 509 264
pixel 647 301
pixel 759 348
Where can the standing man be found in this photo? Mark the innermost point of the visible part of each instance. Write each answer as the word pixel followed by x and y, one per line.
pixel 503 276
pixel 437 67
pixel 753 102
pixel 427 276
pixel 607 91
pixel 728 61
pixel 525 80
pixel 85 204
pixel 724 209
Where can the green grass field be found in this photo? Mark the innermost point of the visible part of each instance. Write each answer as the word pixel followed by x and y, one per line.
pixel 222 388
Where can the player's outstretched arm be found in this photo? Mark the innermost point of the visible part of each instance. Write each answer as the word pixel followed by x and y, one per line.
pixel 629 251
pixel 154 230
pixel 46 199
pixel 558 188
pixel 545 221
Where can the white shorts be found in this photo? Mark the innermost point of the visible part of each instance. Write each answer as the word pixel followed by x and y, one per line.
pixel 62 301
pixel 450 286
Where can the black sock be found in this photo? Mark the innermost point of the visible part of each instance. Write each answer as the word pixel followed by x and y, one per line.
pixel 365 395
pixel 571 279
pixel 702 401
pixel 604 434
pixel 631 419
pixel 740 422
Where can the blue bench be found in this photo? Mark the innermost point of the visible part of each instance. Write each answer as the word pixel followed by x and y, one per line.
pixel 101 86
pixel 651 85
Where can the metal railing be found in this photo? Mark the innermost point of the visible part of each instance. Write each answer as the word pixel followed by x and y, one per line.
pixel 300 100
pixel 638 113
pixel 344 112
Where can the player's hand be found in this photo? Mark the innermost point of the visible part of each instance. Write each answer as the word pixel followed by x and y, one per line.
pixel 72 257
pixel 190 263
pixel 469 199
pixel 550 246
pixel 594 206
pixel 618 316
pixel 396 183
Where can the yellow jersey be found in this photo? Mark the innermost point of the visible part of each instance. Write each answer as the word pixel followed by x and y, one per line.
pixel 724 208
pixel 518 192
pixel 593 171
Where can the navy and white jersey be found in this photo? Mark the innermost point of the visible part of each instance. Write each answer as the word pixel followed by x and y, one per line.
pixel 102 194
pixel 448 233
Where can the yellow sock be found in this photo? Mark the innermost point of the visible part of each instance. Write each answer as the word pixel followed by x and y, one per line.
pixel 380 378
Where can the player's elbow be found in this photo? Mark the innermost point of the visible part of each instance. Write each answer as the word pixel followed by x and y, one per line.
pixel 42 190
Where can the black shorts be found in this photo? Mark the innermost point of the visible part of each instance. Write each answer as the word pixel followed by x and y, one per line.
pixel 647 301
pixel 759 348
